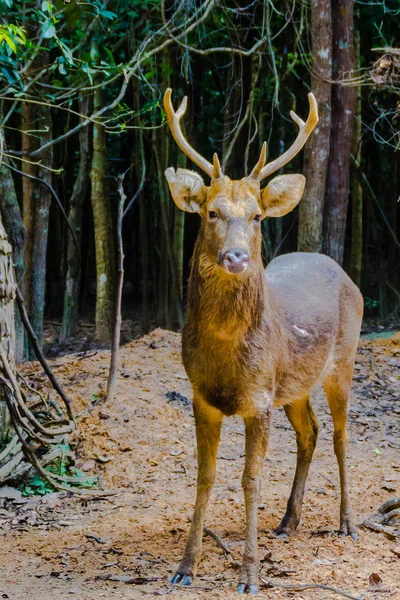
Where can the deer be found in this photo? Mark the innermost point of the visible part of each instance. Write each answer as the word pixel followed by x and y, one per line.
pixel 255 338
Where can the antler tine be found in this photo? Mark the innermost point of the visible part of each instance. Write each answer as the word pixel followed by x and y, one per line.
pixel 305 129
pixel 261 162
pixel 182 107
pixel 173 122
pixel 217 171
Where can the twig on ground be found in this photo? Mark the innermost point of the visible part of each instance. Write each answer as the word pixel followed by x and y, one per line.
pixel 40 356
pixel 218 539
pixel 299 587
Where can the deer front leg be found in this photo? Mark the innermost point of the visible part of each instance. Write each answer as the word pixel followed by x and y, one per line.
pixel 208 422
pixel 257 434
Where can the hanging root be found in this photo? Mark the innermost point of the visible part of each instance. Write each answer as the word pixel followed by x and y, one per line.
pixel 41 428
pixel 386 520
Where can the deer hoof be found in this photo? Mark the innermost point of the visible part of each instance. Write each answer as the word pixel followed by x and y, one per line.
pixel 182 579
pixel 348 529
pixel 284 531
pixel 286 528
pixel 251 589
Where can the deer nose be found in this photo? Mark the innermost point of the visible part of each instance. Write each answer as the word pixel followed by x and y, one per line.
pixel 235 260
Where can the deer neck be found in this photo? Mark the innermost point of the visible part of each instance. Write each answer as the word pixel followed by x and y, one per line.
pixel 226 305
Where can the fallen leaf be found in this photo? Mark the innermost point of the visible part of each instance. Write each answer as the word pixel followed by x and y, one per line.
pixel 176 452
pixel 375 581
pixel 103 458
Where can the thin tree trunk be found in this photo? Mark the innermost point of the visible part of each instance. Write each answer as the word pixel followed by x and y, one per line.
pixel 169 257
pixel 356 189
pixel 41 229
pixel 79 193
pixel 29 143
pixel 178 240
pixel 316 155
pixel 103 230
pixel 165 243
pixel 144 246
pixel 138 158
pixel 343 106
pixel 16 233
pixel 7 330
pixel 112 375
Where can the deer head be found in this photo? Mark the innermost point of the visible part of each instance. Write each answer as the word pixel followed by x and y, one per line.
pixel 231 211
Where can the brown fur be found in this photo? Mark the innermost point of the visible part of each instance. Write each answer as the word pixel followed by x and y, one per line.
pixel 260 339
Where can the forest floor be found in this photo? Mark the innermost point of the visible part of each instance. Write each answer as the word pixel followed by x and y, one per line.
pixel 143 447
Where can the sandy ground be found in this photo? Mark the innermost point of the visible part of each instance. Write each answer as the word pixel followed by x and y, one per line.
pixel 143 447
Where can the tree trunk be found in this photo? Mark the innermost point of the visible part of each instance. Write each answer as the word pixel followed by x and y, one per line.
pixel 41 229
pixel 343 106
pixel 178 241
pixel 103 230
pixel 79 193
pixel 144 246
pixel 316 155
pixel 16 233
pixel 175 313
pixel 163 313
pixel 7 330
pixel 29 143
pixel 356 189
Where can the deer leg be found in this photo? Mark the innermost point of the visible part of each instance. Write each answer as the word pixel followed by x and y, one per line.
pixel 338 400
pixel 305 424
pixel 257 434
pixel 208 428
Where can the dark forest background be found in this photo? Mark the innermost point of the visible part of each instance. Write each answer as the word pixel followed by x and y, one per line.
pixel 81 105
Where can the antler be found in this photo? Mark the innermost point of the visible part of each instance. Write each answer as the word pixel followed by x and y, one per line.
pixel 214 171
pixel 260 171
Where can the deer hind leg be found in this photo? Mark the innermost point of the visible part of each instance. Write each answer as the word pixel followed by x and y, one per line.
pixel 257 434
pixel 337 389
pixel 208 429
pixel 305 424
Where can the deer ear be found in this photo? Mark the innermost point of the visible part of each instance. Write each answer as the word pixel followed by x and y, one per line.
pixel 282 194
pixel 187 189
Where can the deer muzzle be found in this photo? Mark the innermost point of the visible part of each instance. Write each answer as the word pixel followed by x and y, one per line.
pixel 235 260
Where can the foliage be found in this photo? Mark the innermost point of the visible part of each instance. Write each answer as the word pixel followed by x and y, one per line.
pixel 238 64
pixel 36 485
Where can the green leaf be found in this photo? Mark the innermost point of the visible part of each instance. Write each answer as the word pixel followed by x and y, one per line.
pixel 89 71
pixel 48 30
pixel 107 14
pixel 66 52
pixel 110 55
pixel 8 75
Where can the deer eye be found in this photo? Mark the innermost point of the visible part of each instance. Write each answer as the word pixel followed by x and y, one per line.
pixel 212 215
pixel 257 218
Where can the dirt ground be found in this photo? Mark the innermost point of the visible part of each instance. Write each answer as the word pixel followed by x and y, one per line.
pixel 143 447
